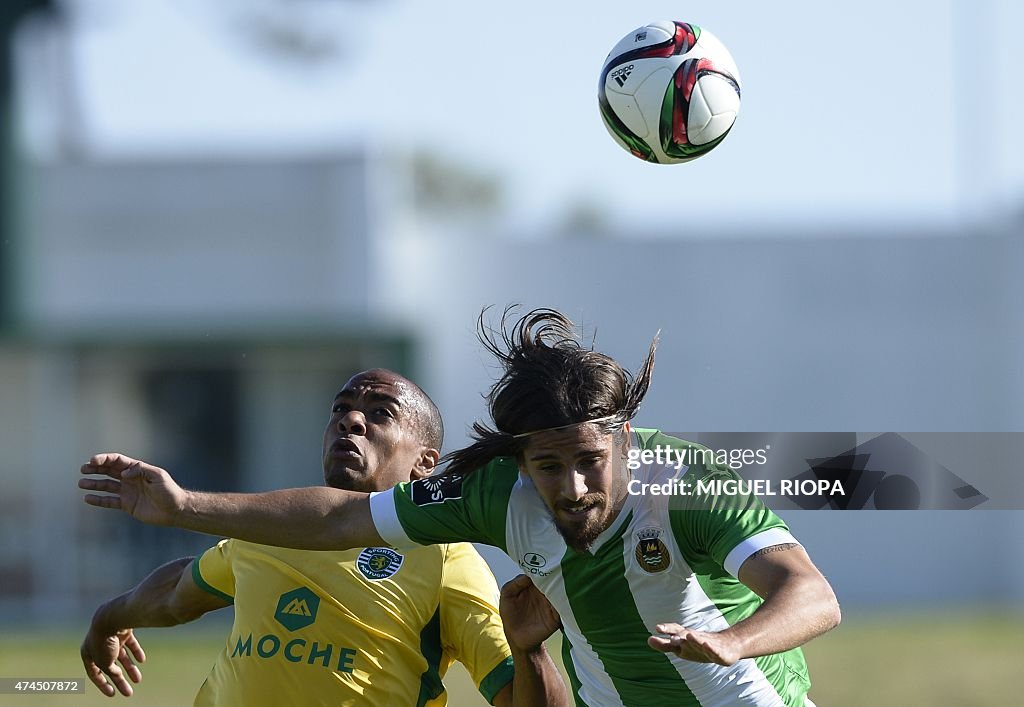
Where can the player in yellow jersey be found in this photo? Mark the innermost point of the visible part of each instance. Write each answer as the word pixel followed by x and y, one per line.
pixel 369 626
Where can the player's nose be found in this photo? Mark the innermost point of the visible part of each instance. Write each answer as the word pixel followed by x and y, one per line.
pixel 574 485
pixel 353 422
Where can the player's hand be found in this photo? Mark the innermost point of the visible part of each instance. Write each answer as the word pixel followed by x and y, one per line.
pixel 112 655
pixel 699 646
pixel 146 492
pixel 528 616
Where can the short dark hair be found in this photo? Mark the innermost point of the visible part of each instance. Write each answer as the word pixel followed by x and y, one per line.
pixel 428 418
pixel 549 381
pixel 424 417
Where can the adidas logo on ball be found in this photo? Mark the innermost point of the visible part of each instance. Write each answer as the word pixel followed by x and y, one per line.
pixel 622 74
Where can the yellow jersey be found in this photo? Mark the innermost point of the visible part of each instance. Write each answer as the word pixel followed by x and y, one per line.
pixel 369 626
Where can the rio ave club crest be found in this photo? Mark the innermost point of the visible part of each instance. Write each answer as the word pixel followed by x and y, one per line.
pixel 651 553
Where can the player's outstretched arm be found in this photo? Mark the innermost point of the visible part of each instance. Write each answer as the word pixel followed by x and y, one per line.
pixel 168 596
pixel 315 518
pixel 529 620
pixel 799 604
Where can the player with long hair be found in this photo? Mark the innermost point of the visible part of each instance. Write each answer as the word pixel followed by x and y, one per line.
pixel 663 599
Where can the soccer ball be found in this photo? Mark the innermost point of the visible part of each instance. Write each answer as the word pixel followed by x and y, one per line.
pixel 669 92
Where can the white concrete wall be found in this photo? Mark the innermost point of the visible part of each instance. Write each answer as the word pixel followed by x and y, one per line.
pixel 184 245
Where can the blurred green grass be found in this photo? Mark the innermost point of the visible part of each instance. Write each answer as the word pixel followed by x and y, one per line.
pixel 177 662
pixel 932 659
pixel 935 659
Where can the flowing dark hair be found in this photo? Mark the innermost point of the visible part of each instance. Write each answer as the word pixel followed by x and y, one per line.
pixel 549 381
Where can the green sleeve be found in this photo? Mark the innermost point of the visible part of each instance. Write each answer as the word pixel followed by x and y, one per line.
pixel 447 508
pixel 709 526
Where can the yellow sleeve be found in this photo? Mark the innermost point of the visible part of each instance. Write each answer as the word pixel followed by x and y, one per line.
pixel 470 625
pixel 211 571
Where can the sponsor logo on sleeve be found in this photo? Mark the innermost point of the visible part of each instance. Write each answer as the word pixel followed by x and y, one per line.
pixel 436 489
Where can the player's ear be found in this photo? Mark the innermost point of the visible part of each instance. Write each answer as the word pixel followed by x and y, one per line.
pixel 627 439
pixel 426 462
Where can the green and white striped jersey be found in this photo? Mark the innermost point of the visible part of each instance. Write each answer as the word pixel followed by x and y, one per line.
pixel 665 558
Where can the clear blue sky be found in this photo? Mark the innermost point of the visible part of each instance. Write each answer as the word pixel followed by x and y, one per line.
pixel 849 110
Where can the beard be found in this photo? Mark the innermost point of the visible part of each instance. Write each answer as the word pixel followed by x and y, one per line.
pixel 580 533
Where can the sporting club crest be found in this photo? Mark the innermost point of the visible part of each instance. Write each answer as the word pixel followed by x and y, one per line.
pixel 379 562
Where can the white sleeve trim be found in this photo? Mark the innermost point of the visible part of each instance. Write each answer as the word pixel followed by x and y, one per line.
pixel 740 553
pixel 385 519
